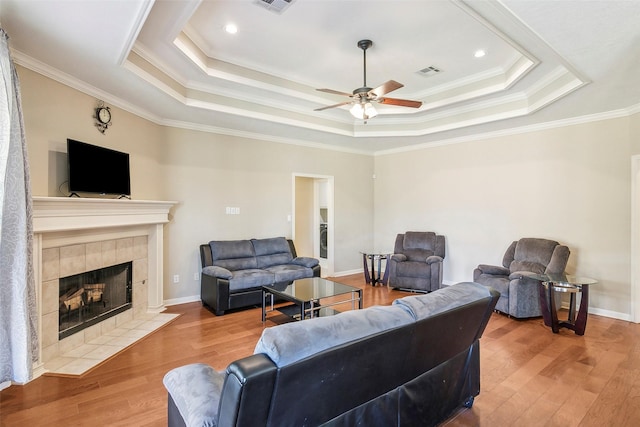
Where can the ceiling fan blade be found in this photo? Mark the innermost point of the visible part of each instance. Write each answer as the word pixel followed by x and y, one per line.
pixel 335 92
pixel 333 106
pixel 385 88
pixel 400 102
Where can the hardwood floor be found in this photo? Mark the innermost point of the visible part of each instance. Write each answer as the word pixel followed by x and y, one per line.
pixel 530 376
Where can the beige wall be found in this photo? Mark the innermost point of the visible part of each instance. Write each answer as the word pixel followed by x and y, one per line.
pixel 210 172
pixel 54 112
pixel 570 184
pixel 204 172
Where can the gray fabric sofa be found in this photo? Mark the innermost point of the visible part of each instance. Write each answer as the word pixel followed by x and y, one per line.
pixel 416 263
pixel 519 294
pixel 233 271
pixel 413 363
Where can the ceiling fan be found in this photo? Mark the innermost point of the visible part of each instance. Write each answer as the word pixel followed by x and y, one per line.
pixel 363 97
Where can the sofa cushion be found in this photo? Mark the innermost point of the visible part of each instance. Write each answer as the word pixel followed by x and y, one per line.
pixel 288 272
pixel 250 278
pixel 534 250
pixel 273 251
pixel 423 306
pixel 290 342
pixel 534 267
pixel 415 269
pixel 215 271
pixel 233 254
pixel 305 261
pixel 196 391
pixel 418 245
pixel 419 240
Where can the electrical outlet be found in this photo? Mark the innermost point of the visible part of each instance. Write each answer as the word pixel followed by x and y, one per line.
pixel 195 276
pixel 176 278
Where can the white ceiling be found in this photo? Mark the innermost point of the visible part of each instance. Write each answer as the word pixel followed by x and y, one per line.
pixel 173 63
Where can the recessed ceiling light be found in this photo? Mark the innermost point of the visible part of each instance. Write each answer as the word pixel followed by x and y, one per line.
pixel 479 53
pixel 231 28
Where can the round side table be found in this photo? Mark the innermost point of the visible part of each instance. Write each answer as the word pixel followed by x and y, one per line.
pixel 550 284
pixel 370 259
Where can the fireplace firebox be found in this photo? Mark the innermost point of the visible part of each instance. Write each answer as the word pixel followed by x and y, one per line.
pixel 91 297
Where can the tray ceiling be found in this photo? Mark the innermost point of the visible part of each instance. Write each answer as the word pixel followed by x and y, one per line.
pixel 173 62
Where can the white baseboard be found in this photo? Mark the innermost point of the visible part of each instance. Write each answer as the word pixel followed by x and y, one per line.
pixel 609 313
pixel 183 300
pixel 347 273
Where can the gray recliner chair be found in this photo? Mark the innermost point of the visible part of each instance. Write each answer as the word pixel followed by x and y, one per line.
pixel 416 263
pixel 519 294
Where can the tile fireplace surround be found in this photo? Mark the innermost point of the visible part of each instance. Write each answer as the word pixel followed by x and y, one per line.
pixel 75 235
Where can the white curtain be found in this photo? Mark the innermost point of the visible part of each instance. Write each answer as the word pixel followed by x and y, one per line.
pixel 18 324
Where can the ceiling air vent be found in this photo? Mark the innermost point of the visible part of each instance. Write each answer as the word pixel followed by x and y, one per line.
pixel 429 71
pixel 277 6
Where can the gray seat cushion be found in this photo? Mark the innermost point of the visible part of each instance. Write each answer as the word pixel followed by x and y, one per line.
pixel 288 272
pixel 251 278
pixel 419 269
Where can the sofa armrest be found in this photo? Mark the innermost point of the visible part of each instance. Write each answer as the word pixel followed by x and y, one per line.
pixel 215 271
pixel 433 259
pixel 399 257
pixel 493 269
pixel 247 391
pixel 522 275
pixel 305 261
pixel 195 390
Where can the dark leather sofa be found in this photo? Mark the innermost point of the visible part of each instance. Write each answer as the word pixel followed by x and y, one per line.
pixel 233 271
pixel 413 363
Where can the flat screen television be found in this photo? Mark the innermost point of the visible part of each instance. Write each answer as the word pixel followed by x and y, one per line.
pixel 94 169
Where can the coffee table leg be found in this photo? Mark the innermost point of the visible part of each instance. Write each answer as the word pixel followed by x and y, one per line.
pixel 264 306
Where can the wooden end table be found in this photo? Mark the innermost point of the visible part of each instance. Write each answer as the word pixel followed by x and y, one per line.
pixel 563 283
pixel 370 259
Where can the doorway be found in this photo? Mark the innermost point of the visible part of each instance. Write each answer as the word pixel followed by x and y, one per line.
pixel 312 220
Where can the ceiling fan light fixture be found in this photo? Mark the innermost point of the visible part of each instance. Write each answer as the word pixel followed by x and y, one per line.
pixel 363 111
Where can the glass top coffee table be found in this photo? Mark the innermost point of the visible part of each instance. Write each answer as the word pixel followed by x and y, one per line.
pixel 309 297
pixel 564 283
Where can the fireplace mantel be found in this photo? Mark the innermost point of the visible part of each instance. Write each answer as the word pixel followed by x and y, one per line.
pixel 71 213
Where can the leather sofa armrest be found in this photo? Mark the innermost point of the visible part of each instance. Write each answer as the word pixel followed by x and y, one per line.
pixel 216 271
pixel 247 391
pixel 305 261
pixel 399 257
pixel 493 269
pixel 433 259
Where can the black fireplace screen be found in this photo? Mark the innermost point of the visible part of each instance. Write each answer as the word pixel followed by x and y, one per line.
pixel 91 297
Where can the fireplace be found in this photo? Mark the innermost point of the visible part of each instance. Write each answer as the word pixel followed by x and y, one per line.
pixel 91 297
pixel 77 235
